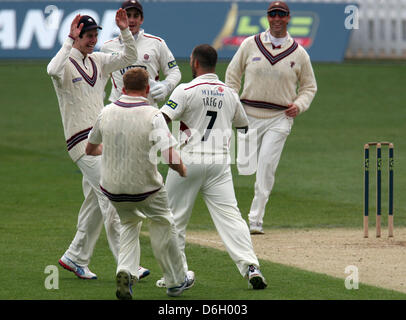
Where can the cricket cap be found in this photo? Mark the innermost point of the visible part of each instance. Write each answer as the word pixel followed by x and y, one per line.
pixel 88 24
pixel 132 4
pixel 278 5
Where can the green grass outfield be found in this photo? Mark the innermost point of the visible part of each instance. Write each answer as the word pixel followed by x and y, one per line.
pixel 318 185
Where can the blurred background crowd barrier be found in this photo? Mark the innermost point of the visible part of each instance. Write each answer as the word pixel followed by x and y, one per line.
pixel 330 30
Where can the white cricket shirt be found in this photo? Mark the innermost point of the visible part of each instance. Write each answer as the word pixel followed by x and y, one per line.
pixel 153 55
pixel 206 108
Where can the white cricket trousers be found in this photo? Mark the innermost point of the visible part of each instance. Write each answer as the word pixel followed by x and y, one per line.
pixel 216 185
pixel 95 210
pixel 162 232
pixel 260 151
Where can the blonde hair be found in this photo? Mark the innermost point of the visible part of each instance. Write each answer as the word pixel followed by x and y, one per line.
pixel 135 79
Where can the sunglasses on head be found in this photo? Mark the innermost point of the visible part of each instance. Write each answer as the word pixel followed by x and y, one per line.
pixel 280 13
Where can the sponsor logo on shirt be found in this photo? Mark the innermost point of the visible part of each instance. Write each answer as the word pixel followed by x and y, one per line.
pixel 216 92
pixel 122 71
pixel 172 64
pixel 172 104
pixel 77 79
pixel 256 59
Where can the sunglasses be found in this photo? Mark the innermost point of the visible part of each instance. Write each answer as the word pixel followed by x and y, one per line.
pixel 281 14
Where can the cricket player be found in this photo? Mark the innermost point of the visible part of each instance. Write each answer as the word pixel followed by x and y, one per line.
pixel 79 77
pixel 207 108
pixel 153 55
pixel 129 129
pixel 279 85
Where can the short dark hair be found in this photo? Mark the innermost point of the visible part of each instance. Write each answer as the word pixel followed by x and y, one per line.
pixel 206 55
pixel 136 79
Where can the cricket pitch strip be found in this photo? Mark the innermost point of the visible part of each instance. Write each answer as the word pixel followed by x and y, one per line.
pixel 381 262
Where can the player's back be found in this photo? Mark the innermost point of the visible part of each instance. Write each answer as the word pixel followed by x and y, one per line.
pixel 206 108
pixel 126 164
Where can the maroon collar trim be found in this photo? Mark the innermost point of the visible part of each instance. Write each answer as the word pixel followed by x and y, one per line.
pixel 271 58
pixel 88 79
pixel 130 105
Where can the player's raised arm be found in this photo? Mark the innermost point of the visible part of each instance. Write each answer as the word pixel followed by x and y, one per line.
pixel 121 19
pixel 56 66
pixel 113 62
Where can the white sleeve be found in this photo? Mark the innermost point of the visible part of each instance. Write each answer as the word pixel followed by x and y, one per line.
pixel 103 48
pixel 56 66
pixel 169 67
pixel 118 60
pixel 162 136
pixel 176 104
pixel 240 119
pixel 235 69
pixel 95 136
pixel 307 85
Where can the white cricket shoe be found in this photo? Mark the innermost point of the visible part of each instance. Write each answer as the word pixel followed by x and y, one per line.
pixel 255 278
pixel 177 291
pixel 142 272
pixel 256 228
pixel 79 271
pixel 190 276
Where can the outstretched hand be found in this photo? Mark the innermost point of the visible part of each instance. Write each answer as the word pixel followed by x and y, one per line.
pixel 74 28
pixel 121 19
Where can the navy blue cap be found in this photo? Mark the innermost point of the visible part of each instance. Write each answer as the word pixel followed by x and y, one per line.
pixel 88 24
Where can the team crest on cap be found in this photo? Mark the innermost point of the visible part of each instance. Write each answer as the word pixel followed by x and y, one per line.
pixel 90 20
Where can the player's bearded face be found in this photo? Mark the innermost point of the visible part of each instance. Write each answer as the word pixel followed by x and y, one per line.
pixel 134 20
pixel 88 41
